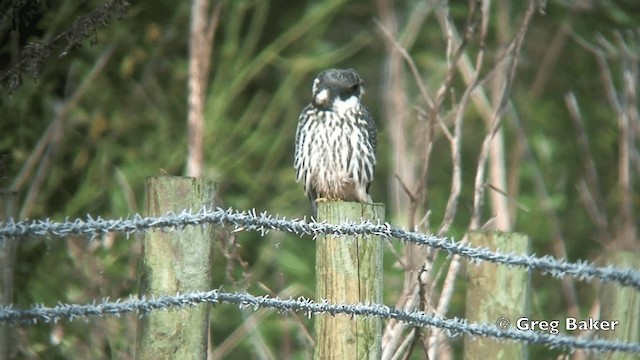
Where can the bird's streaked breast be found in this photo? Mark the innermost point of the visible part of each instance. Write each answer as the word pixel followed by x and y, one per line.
pixel 334 151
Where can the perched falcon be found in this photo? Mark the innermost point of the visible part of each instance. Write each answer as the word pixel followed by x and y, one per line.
pixel 336 140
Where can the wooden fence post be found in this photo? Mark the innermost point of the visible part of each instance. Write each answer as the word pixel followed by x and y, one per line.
pixel 175 261
pixel 348 270
pixel 497 292
pixel 620 304
pixel 8 203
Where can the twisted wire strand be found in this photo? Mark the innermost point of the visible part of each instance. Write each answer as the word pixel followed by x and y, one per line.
pixel 453 327
pixel 263 223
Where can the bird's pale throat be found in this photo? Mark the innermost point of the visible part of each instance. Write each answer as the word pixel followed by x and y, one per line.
pixel 342 106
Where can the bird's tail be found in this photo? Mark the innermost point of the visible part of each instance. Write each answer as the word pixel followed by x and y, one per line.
pixel 314 205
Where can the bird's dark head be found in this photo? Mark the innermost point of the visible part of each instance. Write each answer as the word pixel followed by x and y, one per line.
pixel 337 89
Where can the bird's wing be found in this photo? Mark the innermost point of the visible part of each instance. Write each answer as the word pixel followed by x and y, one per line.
pixel 373 136
pixel 297 162
pixel 301 175
pixel 371 127
pixel 300 140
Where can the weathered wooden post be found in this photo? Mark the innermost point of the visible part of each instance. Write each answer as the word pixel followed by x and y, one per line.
pixel 498 295
pixel 348 270
pixel 620 304
pixel 175 261
pixel 8 202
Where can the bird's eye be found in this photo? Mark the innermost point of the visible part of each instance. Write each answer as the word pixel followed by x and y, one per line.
pixel 355 87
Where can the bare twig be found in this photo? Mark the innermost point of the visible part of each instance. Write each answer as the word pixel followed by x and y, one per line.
pixel 200 46
pixel 506 195
pixel 549 60
pixel 412 65
pixel 434 111
pixel 597 215
pixel 393 332
pixel 590 193
pixel 625 106
pixel 404 187
pixel 498 88
pixel 514 50
pixel 456 139
pixel 445 298
pixel 396 105
pixel 403 349
pixel 627 115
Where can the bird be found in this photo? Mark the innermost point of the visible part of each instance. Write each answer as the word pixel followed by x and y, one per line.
pixel 335 146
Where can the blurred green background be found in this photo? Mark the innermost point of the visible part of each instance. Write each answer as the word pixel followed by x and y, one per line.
pixel 112 111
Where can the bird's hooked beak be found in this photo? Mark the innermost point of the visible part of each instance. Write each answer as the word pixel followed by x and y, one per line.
pixel 322 98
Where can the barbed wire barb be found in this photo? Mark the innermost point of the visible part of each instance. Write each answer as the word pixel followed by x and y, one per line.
pixel 263 222
pixel 453 327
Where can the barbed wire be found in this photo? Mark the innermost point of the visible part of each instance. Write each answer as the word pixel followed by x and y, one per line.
pixel 263 223
pixel 453 327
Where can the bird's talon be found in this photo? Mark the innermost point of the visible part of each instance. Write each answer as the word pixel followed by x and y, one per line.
pixel 322 199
